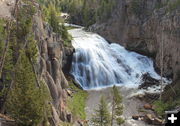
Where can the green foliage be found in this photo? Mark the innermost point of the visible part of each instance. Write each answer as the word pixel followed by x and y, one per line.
pixel 87 12
pixel 65 36
pixel 160 107
pixel 7 73
pixel 2 36
pixel 26 103
pixel 120 121
pixel 19 33
pixel 76 103
pixel 102 115
pixel 32 50
pixel 65 124
pixel 117 107
pixel 53 19
pixel 105 9
pixel 173 5
pixel 24 20
pixel 8 65
pixel 52 16
pixel 70 27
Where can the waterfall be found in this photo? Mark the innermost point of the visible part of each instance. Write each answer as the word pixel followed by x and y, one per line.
pixel 97 64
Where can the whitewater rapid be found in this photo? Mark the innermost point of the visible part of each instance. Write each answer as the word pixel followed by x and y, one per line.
pixel 98 64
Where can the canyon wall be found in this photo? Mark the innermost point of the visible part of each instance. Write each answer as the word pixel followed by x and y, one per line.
pixel 53 57
pixel 145 26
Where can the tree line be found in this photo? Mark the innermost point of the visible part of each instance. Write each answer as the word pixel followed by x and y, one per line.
pixel 102 116
pixel 84 12
pixel 88 12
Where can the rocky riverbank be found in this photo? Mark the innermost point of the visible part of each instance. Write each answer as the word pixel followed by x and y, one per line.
pixel 138 110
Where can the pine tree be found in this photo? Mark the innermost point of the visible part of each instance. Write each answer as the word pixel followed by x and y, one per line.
pixel 26 102
pixel 31 49
pixel 53 19
pixel 102 116
pixel 117 107
pixel 7 66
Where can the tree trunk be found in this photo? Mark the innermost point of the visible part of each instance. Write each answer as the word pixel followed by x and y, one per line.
pixel 112 116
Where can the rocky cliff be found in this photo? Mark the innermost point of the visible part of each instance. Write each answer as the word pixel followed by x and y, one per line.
pixel 145 26
pixel 53 58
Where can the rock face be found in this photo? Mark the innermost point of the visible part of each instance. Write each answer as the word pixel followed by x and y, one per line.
pixel 53 57
pixel 144 26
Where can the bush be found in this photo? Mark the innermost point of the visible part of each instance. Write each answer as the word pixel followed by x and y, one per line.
pixel 160 107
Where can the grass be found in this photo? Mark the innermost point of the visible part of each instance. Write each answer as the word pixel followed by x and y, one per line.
pixel 65 124
pixel 141 110
pixel 67 43
pixel 76 103
pixel 70 27
pixel 160 107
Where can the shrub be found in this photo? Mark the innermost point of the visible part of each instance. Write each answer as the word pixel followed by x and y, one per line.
pixel 160 107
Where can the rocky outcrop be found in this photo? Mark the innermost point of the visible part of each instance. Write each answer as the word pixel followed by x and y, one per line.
pixel 144 26
pixel 53 57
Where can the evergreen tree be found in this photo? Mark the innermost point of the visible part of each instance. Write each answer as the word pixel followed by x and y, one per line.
pixel 32 50
pixel 117 107
pixel 26 102
pixel 2 36
pixel 8 64
pixel 57 24
pixel 53 19
pixel 101 116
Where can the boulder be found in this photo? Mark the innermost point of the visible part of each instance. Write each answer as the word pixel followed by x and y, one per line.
pixel 149 118
pixel 148 106
pixel 135 117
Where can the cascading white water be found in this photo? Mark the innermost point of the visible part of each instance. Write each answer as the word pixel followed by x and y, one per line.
pixel 96 63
